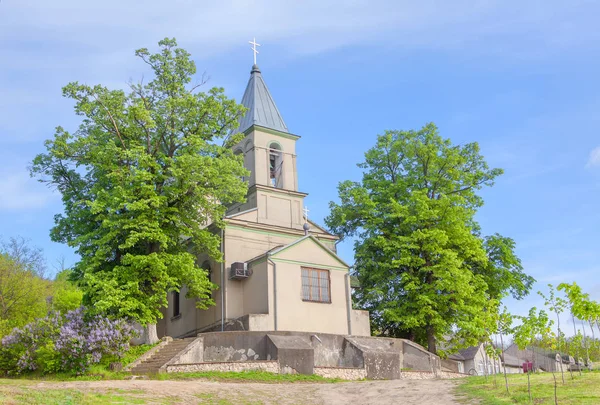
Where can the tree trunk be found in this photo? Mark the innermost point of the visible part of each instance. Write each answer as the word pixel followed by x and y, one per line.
pixel 555 396
pixel 562 373
pixel 431 340
pixel 150 335
pixel 494 372
pixel 504 365
pixel 585 341
pixel 577 349
pixel 529 386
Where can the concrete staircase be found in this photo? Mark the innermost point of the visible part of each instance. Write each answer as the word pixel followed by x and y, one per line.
pixel 162 356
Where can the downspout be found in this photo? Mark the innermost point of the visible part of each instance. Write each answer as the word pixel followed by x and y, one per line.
pixel 348 294
pixel 274 290
pixel 222 280
pixel 348 301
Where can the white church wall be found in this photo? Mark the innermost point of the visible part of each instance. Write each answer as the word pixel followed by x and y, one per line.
pixel 294 314
pixel 182 323
pixel 249 160
pixel 280 208
pixel 240 246
pixel 255 290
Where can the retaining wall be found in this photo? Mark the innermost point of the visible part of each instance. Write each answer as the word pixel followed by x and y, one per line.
pixel 270 366
pixel 308 353
pixel 347 373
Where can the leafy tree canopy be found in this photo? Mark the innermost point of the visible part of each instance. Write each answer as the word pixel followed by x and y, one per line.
pixel 66 296
pixel 425 270
pixel 142 176
pixel 22 294
pixel 536 325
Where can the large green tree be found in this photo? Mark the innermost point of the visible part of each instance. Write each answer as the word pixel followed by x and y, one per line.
pixel 23 289
pixel 425 270
pixel 142 176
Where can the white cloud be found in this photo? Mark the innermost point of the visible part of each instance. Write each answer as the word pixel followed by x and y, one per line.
pixel 46 44
pixel 21 193
pixel 212 27
pixel 594 159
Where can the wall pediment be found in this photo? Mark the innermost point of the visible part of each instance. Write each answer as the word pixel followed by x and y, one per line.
pixel 309 251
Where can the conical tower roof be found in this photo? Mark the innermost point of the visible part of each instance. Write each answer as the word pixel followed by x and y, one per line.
pixel 262 110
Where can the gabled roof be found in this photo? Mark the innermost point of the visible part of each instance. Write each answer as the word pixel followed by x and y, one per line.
pixel 261 107
pixel 456 356
pixel 512 360
pixel 319 227
pixel 275 251
pixel 470 352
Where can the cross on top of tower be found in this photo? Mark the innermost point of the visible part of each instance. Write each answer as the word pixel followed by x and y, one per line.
pixel 254 45
pixel 306 213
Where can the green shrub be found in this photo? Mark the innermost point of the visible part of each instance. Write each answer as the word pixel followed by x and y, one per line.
pixel 69 343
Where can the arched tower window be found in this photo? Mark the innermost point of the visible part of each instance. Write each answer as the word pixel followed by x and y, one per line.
pixel 206 266
pixel 239 151
pixel 248 146
pixel 275 165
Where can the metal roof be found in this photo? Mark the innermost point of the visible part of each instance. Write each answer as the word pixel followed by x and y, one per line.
pixel 512 360
pixel 470 352
pixel 262 110
pixel 456 356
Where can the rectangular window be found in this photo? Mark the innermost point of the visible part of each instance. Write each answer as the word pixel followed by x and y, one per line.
pixel 176 304
pixel 315 285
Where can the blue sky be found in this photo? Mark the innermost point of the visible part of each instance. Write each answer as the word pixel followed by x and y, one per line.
pixel 519 77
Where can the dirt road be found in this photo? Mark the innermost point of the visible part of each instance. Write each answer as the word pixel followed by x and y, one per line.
pixel 406 392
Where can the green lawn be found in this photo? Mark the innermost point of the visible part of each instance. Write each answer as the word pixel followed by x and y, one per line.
pixel 98 373
pixel 581 390
pixel 247 376
pixel 48 390
pixel 20 392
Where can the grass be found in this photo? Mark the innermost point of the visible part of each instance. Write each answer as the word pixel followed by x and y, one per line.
pixel 30 389
pixel 247 376
pixel 581 390
pixel 135 352
pixel 18 392
pixel 98 373
pixel 207 398
pixel 35 391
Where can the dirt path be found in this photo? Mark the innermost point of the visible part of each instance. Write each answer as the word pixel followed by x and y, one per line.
pixel 406 392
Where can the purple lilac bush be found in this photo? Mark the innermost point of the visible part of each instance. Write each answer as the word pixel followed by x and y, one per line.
pixel 69 342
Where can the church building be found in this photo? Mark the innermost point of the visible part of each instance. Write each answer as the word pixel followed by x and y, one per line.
pixel 280 270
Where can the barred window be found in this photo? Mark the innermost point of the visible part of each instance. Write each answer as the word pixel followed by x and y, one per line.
pixel 176 298
pixel 315 285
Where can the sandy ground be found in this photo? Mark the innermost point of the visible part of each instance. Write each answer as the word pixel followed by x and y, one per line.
pixel 406 392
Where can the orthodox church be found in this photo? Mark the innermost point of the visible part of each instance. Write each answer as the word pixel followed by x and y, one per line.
pixel 280 270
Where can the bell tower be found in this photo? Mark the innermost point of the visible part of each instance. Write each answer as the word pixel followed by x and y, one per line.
pixel 269 151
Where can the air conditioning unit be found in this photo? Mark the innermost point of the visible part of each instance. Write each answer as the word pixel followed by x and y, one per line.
pixel 240 271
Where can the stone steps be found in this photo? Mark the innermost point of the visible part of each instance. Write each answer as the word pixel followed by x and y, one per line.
pixel 162 356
